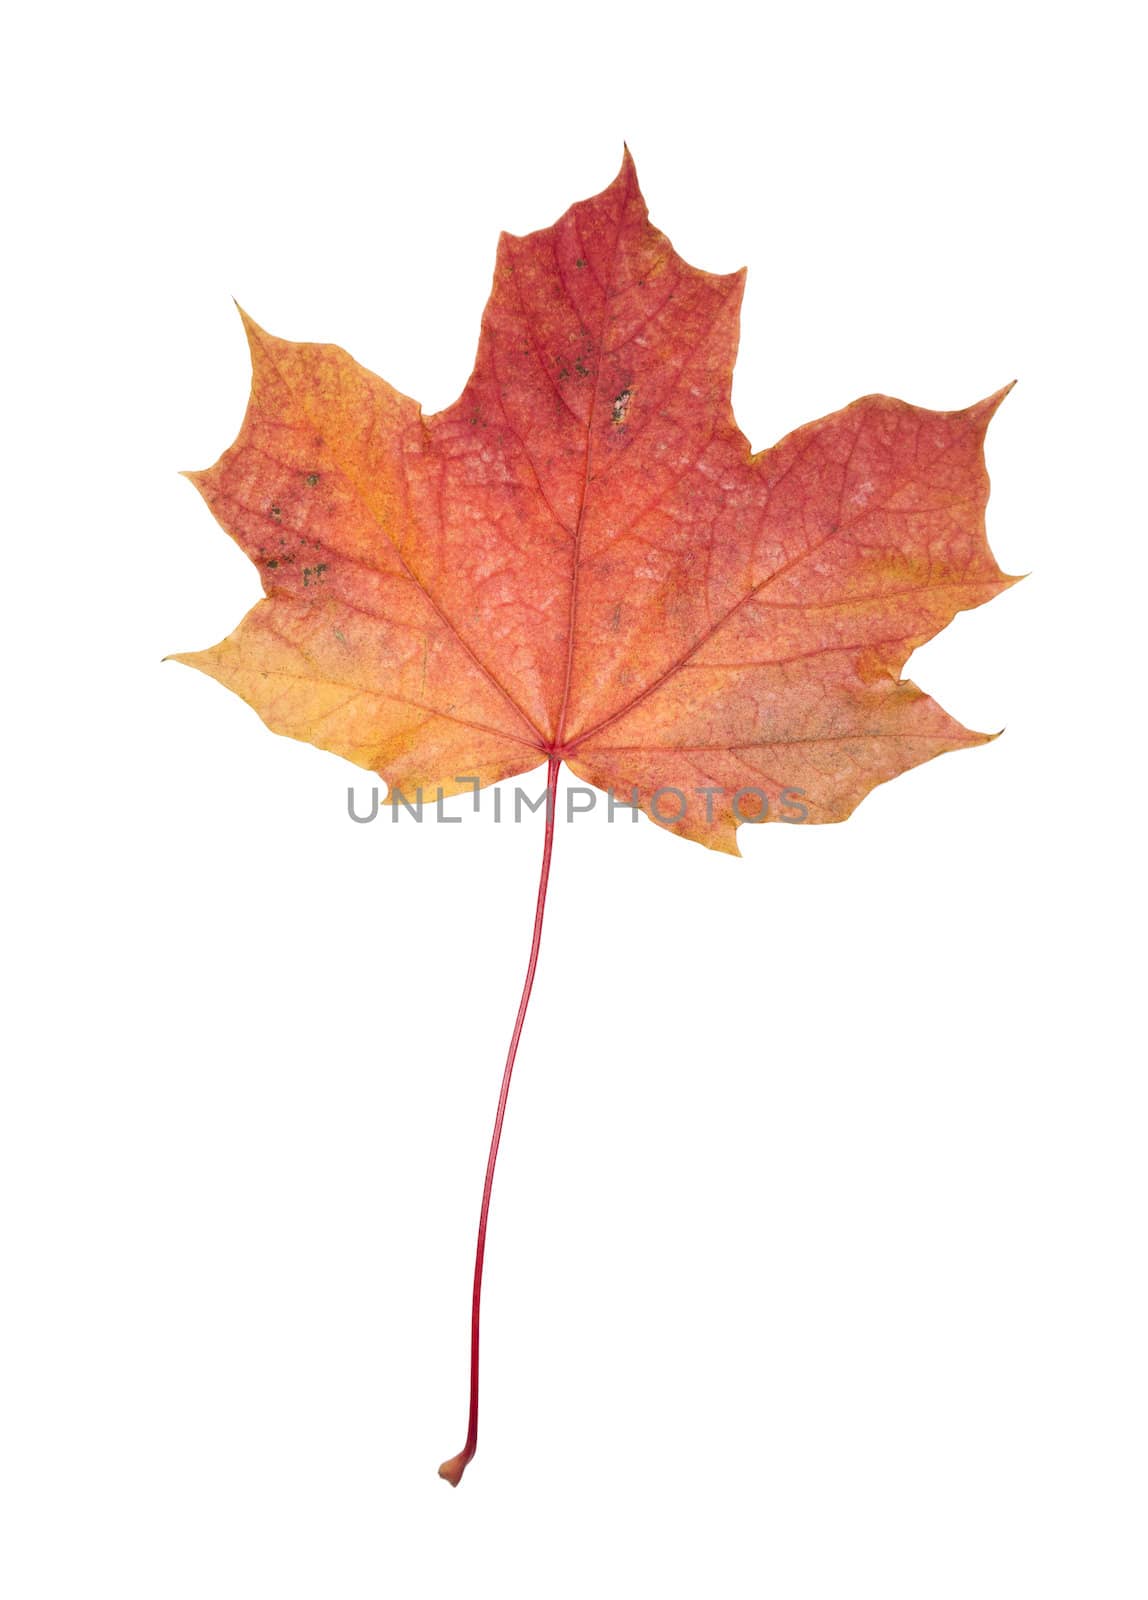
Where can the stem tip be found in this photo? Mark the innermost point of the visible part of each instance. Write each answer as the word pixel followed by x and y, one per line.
pixel 453 1469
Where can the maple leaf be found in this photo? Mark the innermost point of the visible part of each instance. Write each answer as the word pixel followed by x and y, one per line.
pixel 582 556
pixel 582 560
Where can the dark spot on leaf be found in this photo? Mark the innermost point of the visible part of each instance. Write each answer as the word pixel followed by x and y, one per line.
pixel 621 407
pixel 276 513
pixel 312 479
pixel 579 263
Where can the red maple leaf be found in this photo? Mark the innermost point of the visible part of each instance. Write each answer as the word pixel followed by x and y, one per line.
pixel 581 560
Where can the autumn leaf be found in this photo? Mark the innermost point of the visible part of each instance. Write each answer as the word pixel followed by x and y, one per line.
pixel 582 560
pixel 583 557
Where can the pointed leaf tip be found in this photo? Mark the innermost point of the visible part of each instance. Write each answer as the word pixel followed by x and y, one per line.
pixel 250 327
pixel 628 171
pixel 992 403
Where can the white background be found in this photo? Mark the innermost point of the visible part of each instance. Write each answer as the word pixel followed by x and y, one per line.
pixel 817 1259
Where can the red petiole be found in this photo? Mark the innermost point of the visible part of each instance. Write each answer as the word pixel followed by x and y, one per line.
pixel 453 1469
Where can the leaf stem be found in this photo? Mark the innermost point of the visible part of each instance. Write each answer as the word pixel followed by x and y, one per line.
pixel 453 1469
